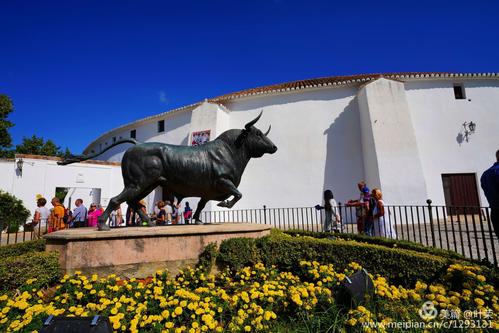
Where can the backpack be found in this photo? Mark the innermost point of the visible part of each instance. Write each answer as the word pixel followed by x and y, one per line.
pixel 65 218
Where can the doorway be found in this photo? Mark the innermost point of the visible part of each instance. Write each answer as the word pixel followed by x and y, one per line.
pixel 461 190
pixel 67 195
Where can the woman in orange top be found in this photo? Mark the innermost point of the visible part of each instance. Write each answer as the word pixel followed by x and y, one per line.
pixel 56 216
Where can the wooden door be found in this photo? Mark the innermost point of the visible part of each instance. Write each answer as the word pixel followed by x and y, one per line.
pixel 460 190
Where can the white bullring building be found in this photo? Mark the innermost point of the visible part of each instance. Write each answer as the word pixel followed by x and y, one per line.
pixel 407 133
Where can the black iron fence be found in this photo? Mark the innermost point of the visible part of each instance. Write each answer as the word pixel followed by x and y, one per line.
pixel 15 233
pixel 465 230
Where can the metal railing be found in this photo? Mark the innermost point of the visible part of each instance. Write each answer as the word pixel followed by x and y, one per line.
pixel 465 230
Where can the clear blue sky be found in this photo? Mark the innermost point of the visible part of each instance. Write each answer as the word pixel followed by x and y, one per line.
pixel 76 69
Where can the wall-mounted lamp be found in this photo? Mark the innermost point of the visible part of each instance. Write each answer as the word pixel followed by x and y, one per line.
pixel 20 164
pixel 469 128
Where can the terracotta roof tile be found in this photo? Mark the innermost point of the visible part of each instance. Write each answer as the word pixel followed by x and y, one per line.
pixel 336 81
pixel 329 81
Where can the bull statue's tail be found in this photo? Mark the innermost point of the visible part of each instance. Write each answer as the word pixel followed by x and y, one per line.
pixel 80 158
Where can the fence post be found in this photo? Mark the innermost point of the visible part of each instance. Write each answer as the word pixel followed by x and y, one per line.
pixel 341 217
pixel 431 222
pixel 264 214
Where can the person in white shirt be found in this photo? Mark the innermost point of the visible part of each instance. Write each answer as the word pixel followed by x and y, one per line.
pixel 168 210
pixel 42 214
pixel 332 221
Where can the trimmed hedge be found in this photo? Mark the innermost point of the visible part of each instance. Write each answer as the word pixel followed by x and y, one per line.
pixel 18 249
pixel 237 253
pixel 401 266
pixel 208 257
pixel 15 271
pixel 392 243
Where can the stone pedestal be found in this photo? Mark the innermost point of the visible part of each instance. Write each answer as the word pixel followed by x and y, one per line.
pixel 140 251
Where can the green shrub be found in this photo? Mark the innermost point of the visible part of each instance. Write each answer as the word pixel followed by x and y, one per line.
pixel 392 243
pixel 237 253
pixel 12 212
pixel 401 266
pixel 208 257
pixel 18 249
pixel 15 271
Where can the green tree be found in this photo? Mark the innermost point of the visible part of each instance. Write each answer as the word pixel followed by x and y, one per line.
pixel 38 146
pixel 13 213
pixel 6 107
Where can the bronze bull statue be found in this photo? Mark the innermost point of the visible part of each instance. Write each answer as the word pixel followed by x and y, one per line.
pixel 211 171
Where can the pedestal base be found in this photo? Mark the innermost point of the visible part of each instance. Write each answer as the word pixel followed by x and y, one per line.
pixel 140 251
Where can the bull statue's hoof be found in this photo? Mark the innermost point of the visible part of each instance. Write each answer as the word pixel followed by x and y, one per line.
pixel 151 223
pixel 198 222
pixel 224 204
pixel 103 227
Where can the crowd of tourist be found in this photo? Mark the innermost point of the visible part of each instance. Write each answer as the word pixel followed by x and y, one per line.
pixel 372 218
pixel 59 217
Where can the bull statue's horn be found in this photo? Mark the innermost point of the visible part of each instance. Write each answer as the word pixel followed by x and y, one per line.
pixel 268 131
pixel 253 122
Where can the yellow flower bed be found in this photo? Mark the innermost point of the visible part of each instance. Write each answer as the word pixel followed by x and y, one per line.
pixel 466 302
pixel 192 302
pixel 252 299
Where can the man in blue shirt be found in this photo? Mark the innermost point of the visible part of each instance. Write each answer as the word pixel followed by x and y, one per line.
pixel 490 186
pixel 79 214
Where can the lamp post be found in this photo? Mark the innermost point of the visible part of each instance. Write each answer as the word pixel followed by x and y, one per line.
pixel 469 128
pixel 472 127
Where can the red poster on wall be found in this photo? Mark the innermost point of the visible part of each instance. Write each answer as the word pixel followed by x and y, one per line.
pixel 200 138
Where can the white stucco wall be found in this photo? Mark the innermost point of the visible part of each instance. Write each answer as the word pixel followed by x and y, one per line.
pixel 438 119
pixel 318 138
pixel 42 176
pixel 176 132
pixel 401 137
pixel 7 173
pixel 390 147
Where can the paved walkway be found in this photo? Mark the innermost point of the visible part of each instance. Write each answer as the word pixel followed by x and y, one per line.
pixel 13 238
pixel 467 235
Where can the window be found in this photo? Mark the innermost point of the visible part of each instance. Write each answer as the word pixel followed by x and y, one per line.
pixel 459 92
pixel 161 126
pixel 114 139
pixel 133 134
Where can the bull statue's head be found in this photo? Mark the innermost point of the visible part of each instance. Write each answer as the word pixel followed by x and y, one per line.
pixel 256 142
